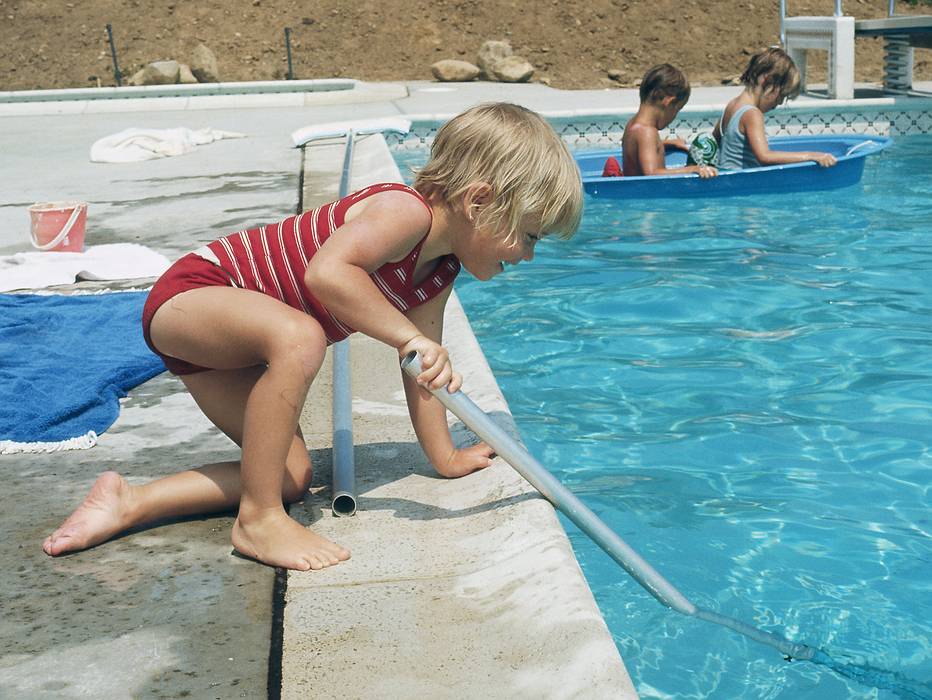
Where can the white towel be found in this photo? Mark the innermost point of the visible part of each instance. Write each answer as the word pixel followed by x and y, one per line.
pixel 131 145
pixel 115 261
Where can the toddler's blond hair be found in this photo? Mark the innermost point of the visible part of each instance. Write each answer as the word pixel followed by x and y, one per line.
pixel 519 155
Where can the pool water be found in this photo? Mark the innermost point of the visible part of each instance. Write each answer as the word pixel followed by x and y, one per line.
pixel 742 389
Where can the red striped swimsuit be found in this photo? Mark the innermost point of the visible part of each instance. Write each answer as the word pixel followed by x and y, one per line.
pixel 272 259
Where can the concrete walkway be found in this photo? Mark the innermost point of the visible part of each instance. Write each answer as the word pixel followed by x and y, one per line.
pixel 461 588
pixel 457 589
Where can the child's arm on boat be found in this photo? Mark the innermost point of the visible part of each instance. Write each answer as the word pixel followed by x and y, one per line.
pixel 753 123
pixel 428 416
pixel 651 158
pixel 677 143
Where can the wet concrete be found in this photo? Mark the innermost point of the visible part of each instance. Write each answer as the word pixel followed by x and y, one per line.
pixel 171 204
pixel 164 612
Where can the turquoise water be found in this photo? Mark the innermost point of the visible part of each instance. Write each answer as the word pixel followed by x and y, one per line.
pixel 742 389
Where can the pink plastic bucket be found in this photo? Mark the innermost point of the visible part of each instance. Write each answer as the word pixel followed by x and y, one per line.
pixel 58 226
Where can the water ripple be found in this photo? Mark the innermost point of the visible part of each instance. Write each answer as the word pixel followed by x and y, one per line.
pixel 744 393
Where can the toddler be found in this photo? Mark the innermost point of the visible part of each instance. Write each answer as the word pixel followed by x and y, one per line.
pixel 245 321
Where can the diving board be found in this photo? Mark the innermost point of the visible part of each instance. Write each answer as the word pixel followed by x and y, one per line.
pixel 836 35
pixel 900 36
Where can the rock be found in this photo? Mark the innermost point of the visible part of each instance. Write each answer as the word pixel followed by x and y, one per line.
pixel 161 73
pixel 513 69
pixel 732 80
pixel 204 65
pixel 491 53
pixel 453 71
pixel 185 76
pixel 616 74
pixel 137 77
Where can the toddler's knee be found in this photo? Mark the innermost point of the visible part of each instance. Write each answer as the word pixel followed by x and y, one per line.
pixel 301 341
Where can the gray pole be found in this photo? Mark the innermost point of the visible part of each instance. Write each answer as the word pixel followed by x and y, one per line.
pixel 344 467
pixel 562 498
pixel 288 51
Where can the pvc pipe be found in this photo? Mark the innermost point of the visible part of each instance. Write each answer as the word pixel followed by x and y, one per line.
pixel 550 488
pixel 397 125
pixel 563 499
pixel 343 503
pixel 838 8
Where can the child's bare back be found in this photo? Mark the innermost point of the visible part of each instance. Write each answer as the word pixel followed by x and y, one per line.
pixel 664 91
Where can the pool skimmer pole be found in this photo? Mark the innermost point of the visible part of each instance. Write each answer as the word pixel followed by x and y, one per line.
pixel 567 503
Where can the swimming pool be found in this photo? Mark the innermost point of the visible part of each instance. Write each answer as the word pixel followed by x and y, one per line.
pixel 742 389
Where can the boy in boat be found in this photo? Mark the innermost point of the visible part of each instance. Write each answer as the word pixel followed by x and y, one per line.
pixel 664 92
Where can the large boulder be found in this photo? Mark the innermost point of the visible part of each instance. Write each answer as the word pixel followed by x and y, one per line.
pixel 492 52
pixel 453 71
pixel 204 65
pixel 512 69
pixel 160 73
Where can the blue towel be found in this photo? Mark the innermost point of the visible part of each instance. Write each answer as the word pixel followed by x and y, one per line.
pixel 65 361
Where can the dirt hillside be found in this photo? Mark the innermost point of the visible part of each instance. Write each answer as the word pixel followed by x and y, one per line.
pixel 572 43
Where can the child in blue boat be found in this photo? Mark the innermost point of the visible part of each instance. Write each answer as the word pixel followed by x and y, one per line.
pixel 664 91
pixel 770 79
pixel 245 321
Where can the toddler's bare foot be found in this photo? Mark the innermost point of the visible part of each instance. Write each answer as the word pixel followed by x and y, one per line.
pixel 273 538
pixel 103 514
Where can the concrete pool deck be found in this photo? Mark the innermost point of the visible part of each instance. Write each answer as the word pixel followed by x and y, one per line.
pixel 463 588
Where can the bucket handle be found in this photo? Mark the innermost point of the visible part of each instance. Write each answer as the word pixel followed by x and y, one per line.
pixel 65 230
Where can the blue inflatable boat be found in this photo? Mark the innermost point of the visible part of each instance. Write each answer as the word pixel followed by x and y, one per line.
pixel 851 152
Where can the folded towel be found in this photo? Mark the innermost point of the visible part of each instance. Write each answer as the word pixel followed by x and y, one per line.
pixel 115 261
pixel 131 145
pixel 65 361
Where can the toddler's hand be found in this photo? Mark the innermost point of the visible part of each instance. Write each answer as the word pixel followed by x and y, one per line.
pixel 436 370
pixel 826 160
pixel 707 171
pixel 467 461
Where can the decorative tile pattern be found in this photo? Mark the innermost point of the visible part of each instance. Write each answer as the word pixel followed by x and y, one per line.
pixel 606 131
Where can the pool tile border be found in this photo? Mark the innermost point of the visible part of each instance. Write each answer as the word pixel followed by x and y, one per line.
pixel 882 117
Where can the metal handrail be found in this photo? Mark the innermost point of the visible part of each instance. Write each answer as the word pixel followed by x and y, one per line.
pixel 891 11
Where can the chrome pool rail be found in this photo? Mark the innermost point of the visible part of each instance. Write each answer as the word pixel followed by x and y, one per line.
pixel 649 578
